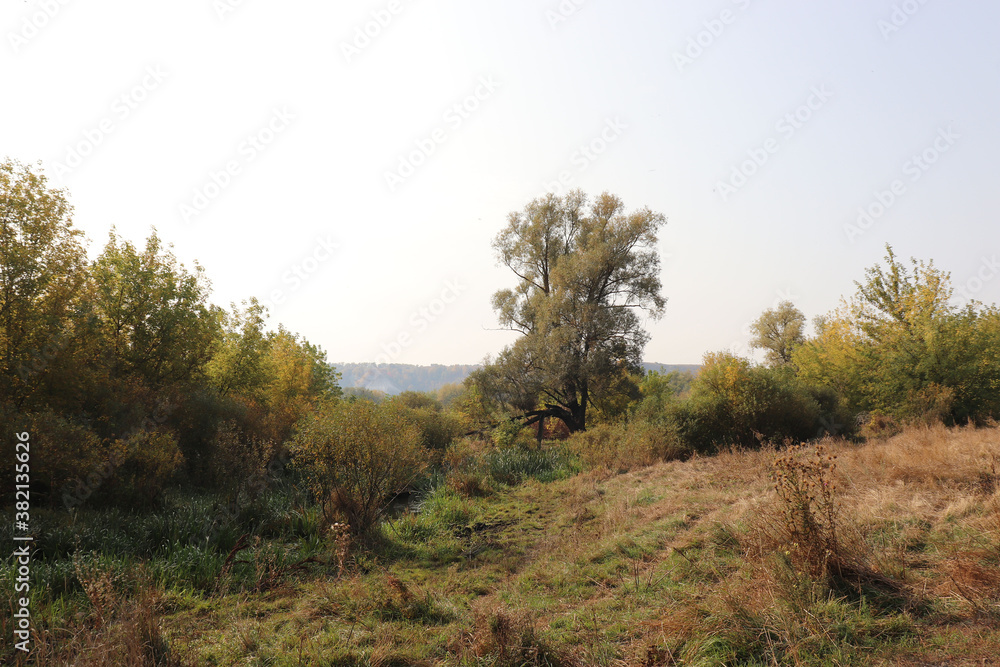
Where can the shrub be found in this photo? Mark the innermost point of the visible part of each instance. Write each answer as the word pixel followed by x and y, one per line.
pixel 509 434
pixel 437 429
pixel 622 447
pixel 806 492
pixel 876 425
pixel 63 452
pixel 356 456
pixel 239 457
pixel 734 402
pixel 147 462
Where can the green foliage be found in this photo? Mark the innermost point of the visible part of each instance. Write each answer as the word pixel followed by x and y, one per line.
pixel 64 452
pixel 42 284
pixel 417 400
pixel 437 428
pixel 153 314
pixel 659 391
pixel 356 456
pixel 450 394
pixel 362 394
pixel 509 433
pixel 240 457
pixel 147 460
pixel 513 465
pixel 900 348
pixel 239 363
pixel 734 402
pixel 778 331
pixel 582 271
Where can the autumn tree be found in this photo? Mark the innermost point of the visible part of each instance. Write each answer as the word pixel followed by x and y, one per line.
pixel 900 347
pixel 238 366
pixel 154 314
pixel 778 331
pixel 585 275
pixel 42 277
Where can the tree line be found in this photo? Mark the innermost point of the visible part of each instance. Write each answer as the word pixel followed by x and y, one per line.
pixel 131 381
pixel 120 367
pixel 898 350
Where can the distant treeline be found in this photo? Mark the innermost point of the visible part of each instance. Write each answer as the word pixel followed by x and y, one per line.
pixel 397 378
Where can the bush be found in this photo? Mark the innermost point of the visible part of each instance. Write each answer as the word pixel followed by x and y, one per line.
pixel 437 429
pixel 356 456
pixel 622 447
pixel 509 434
pixel 240 458
pixel 63 453
pixel 736 403
pixel 147 462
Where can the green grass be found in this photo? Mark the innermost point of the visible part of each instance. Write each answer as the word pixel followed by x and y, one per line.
pixel 662 565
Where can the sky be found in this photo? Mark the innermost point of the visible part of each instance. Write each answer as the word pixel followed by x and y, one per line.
pixel 349 163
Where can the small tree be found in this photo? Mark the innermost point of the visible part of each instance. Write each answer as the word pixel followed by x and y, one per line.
pixel 900 348
pixel 42 283
pixel 778 331
pixel 357 455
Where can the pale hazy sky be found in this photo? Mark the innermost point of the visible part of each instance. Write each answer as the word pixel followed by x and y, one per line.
pixel 266 138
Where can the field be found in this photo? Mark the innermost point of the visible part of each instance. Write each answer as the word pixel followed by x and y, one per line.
pixel 886 552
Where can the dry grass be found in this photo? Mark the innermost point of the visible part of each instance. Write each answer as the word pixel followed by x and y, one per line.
pixel 682 562
pixel 122 632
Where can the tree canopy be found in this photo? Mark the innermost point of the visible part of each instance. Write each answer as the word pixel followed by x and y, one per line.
pixel 585 274
pixel 778 331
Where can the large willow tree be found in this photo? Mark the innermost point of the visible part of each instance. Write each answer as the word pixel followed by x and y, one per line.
pixel 586 276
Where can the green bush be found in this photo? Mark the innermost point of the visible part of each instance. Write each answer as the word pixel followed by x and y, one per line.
pixel 356 456
pixel 437 429
pixel 146 463
pixel 734 402
pixel 510 433
pixel 67 458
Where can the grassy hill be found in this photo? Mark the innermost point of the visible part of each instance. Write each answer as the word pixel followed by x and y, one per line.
pixel 885 553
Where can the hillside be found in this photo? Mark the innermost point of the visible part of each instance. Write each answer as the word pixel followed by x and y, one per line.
pixel 679 563
pixel 396 378
pixel 697 562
